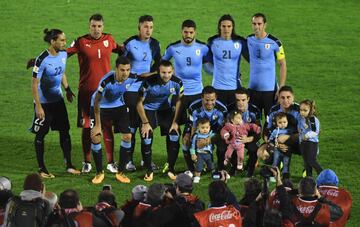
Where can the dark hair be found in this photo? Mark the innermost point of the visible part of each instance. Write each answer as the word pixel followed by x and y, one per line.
pixel 202 120
pixel 188 23
pixel 208 90
pixel 145 18
pixel 286 88
pixel 242 91
pixel 108 197
pixel 311 104
pixel 33 182
pixel 272 218
pixel 252 188
pixel 288 183
pixel 218 193
pixel 96 17
pixel 232 114
pixel 165 63
pixel 260 15
pixel 230 18
pixel 69 199
pixel 5 195
pixel 307 186
pixel 280 115
pixel 51 34
pixel 121 60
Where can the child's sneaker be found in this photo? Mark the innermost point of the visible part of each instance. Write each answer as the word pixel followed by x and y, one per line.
pixel 196 180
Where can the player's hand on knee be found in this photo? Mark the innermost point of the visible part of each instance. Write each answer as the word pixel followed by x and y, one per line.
pixel 96 131
pixel 194 157
pixel 39 112
pixel 186 139
pixel 174 126
pixel 145 130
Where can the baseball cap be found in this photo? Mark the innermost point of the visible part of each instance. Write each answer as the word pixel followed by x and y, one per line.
pixel 184 181
pixel 326 177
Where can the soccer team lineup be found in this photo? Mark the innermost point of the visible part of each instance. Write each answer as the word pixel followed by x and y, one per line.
pixel 221 132
pixel 147 90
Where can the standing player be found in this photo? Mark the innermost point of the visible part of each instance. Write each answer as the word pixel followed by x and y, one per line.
pixel 155 108
pixel 144 54
pixel 94 52
pixel 108 105
pixel 50 109
pixel 188 55
pixel 264 51
pixel 225 53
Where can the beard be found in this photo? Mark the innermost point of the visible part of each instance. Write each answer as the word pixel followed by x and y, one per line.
pixel 188 40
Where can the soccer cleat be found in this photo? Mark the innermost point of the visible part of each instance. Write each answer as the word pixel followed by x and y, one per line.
pixel 196 180
pixel 44 173
pixel 122 178
pixel 149 177
pixel 171 175
pixel 86 167
pixel 130 166
pixel 98 178
pixel 112 167
pixel 189 173
pixel 304 173
pixel 153 165
pixel 72 170
pixel 165 168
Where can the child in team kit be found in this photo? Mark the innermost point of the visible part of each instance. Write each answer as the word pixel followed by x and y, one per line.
pixel 232 133
pixel 204 154
pixel 281 129
pixel 309 128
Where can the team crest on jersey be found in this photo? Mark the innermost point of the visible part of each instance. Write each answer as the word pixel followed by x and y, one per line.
pixel 63 60
pixel 214 117
pixel 248 120
pixel 198 52
pixel 100 89
pixel 106 43
pixel 236 45
pixel 267 46
pixel 172 90
pixel 127 86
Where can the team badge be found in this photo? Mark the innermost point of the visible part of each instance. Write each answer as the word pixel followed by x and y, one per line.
pixel 127 86
pixel 63 60
pixel 100 89
pixel 236 45
pixel 249 120
pixel 198 52
pixel 106 43
pixel 267 46
pixel 172 90
pixel 214 117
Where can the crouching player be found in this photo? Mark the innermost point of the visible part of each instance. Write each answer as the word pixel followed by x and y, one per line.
pixel 108 104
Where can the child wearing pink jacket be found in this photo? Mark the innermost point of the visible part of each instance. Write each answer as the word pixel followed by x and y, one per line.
pixel 232 133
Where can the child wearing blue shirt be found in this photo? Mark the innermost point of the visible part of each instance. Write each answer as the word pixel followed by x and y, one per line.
pixel 309 128
pixel 205 153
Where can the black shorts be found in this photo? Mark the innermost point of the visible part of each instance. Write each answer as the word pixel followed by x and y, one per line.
pixel 56 118
pixel 263 100
pixel 226 97
pixel 131 99
pixel 186 101
pixel 162 118
pixel 119 116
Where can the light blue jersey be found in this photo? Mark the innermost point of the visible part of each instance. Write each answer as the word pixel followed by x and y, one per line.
pixel 49 70
pixel 207 149
pixel 226 56
pixel 309 129
pixel 263 54
pixel 144 57
pixel 188 60
pixel 112 91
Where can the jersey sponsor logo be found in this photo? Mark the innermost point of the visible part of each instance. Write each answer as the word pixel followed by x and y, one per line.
pixel 63 60
pixel 88 45
pixel 305 209
pixel 35 69
pixel 236 45
pixel 198 52
pixel 225 215
pixel 106 43
pixel 267 46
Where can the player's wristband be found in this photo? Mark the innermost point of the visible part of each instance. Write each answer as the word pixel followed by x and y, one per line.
pixel 145 123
